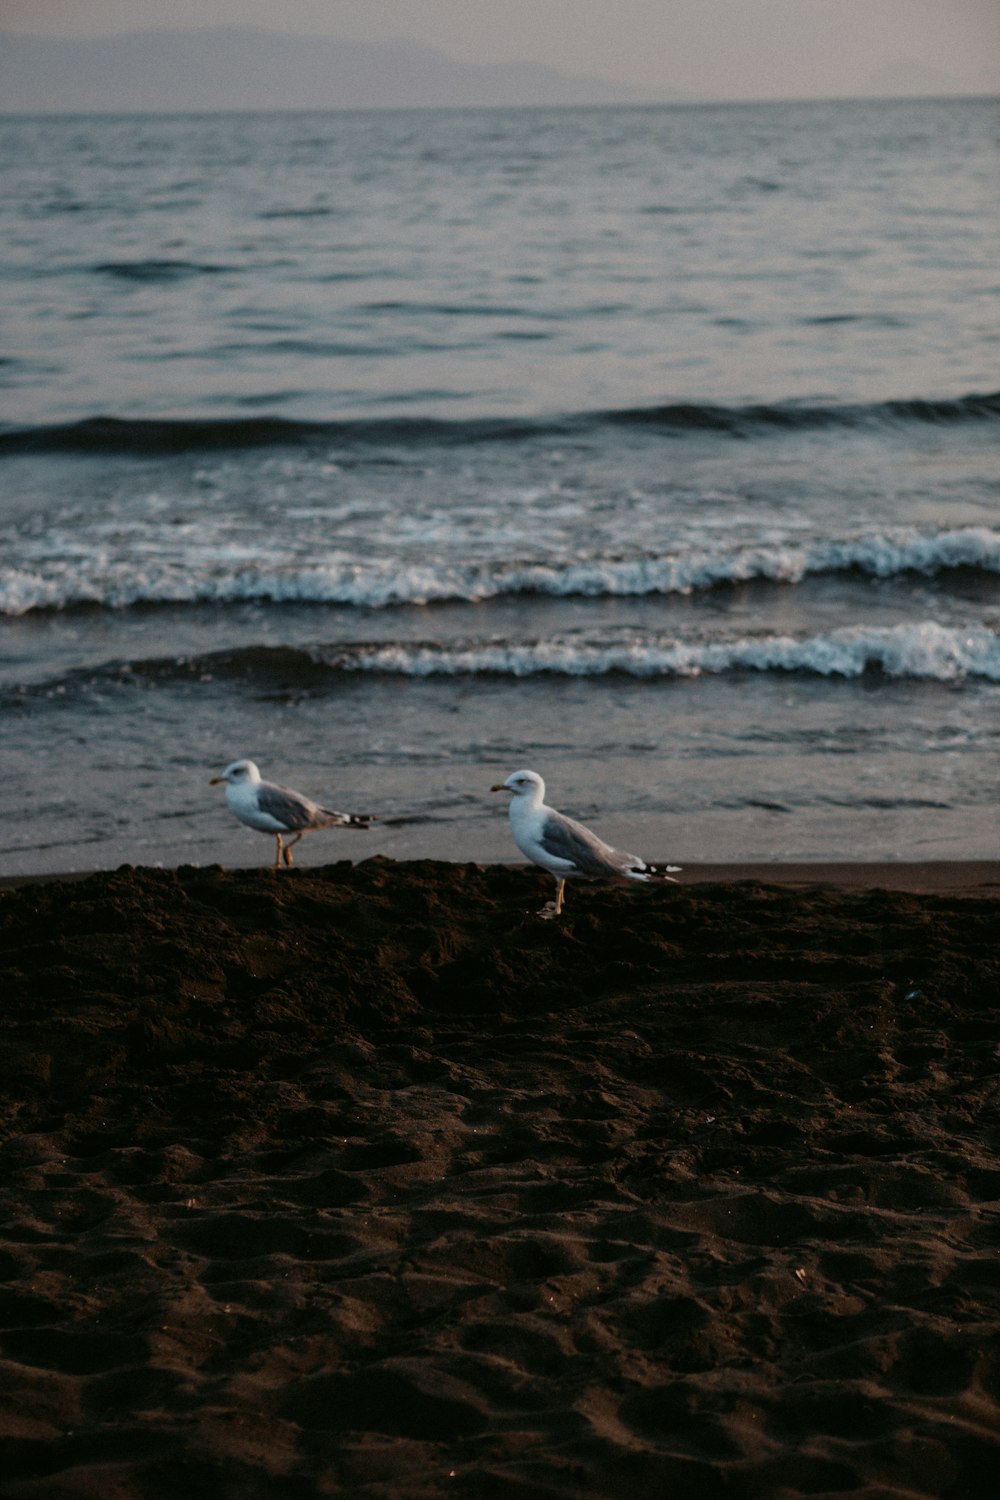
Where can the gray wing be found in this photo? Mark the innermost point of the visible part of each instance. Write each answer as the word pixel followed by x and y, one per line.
pixel 289 808
pixel 565 839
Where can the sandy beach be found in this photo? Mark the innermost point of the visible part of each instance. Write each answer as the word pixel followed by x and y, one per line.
pixel 361 1180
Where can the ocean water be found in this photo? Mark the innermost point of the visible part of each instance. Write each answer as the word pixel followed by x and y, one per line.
pixel 653 449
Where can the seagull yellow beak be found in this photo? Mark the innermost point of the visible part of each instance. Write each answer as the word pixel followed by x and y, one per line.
pixel 216 780
pixel 500 788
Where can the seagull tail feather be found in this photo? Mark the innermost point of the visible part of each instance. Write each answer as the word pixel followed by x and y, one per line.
pixel 348 820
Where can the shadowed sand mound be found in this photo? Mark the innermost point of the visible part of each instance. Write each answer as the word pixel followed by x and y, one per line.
pixel 362 1181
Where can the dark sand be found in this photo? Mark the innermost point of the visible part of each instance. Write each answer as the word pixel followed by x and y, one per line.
pixel 362 1181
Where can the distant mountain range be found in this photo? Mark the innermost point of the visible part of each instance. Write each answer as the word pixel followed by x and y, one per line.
pixel 245 67
pixel 252 68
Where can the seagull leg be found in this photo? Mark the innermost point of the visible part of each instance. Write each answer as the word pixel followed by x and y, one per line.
pixel 554 908
pixel 277 854
pixel 290 846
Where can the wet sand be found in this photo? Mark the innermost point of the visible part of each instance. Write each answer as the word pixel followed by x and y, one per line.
pixel 361 1180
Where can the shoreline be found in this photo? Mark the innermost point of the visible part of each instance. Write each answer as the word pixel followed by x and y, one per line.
pixel 978 876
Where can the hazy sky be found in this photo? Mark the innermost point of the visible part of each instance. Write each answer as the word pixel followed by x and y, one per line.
pixel 719 48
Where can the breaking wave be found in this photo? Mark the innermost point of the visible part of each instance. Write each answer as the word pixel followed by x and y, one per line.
pixel 922 652
pixel 49 582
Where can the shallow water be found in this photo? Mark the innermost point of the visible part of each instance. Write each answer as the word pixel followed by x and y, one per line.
pixel 653 449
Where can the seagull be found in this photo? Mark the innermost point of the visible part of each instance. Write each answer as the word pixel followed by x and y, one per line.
pixel 563 847
pixel 277 809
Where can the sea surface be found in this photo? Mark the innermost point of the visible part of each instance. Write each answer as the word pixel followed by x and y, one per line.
pixel 653 449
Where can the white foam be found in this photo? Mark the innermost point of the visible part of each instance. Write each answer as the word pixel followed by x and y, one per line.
pixel 923 651
pixel 56 576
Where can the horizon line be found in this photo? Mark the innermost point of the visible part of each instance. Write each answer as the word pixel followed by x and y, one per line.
pixel 692 102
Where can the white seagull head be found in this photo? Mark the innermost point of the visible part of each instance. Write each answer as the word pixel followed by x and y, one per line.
pixel 522 784
pixel 238 773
